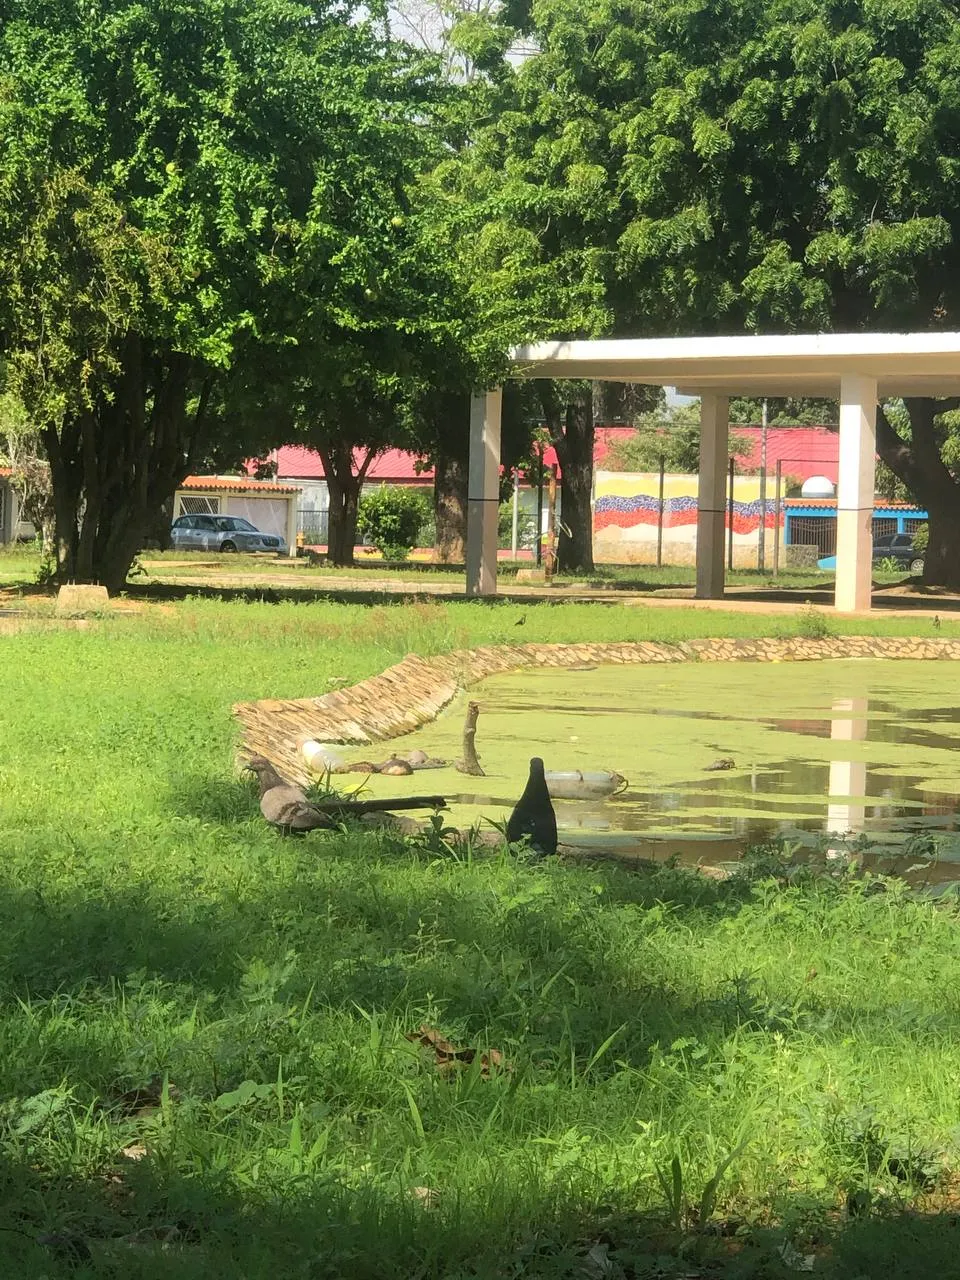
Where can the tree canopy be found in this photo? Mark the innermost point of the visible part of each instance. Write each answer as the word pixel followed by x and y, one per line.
pixel 207 223
pixel 733 167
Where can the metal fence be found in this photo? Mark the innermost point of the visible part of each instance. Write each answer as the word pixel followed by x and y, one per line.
pixel 313 525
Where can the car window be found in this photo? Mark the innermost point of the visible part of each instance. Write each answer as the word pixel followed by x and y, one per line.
pixel 234 524
pixel 205 522
pixel 185 522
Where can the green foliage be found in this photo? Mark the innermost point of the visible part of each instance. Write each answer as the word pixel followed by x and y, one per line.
pixel 785 411
pixel 920 539
pixel 210 229
pixel 526 526
pixel 671 433
pixel 814 624
pixel 391 519
pixel 739 167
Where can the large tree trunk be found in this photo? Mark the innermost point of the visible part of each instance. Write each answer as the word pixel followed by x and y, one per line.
pixel 450 508
pixel 113 467
pixel 920 466
pixel 572 433
pixel 448 415
pixel 344 488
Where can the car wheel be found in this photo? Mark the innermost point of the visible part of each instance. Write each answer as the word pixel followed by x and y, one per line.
pixel 916 566
pixel 228 546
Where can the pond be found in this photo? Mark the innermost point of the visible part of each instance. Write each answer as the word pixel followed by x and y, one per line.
pixel 820 748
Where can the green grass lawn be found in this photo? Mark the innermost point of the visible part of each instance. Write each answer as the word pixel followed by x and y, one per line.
pixel 695 1072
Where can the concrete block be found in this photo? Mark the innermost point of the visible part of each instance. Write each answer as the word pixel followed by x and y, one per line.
pixel 77 599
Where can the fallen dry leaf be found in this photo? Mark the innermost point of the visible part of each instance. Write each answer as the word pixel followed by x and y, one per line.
pixel 136 1151
pixel 449 1058
pixel 428 1196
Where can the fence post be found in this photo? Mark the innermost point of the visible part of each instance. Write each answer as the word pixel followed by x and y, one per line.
pixel 730 521
pixel 776 521
pixel 762 530
pixel 660 518
pixel 540 511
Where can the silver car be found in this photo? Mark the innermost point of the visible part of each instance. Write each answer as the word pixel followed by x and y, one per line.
pixel 222 533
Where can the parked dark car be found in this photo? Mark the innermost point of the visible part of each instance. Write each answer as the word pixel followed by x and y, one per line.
pixel 898 547
pixel 222 533
pixel 891 546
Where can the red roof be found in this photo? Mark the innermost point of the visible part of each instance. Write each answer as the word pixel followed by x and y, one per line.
pixel 830 504
pixel 237 484
pixel 802 451
pixel 5 472
pixel 295 462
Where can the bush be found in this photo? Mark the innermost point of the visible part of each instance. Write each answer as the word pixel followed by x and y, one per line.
pixel 526 527
pixel 391 519
pixel 921 536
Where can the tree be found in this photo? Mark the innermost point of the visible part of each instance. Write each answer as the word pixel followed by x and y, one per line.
pixel 671 433
pixel 199 204
pixel 785 411
pixel 744 166
pixel 349 425
pixel 515 236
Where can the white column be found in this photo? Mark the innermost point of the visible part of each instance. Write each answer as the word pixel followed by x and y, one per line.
pixel 292 503
pixel 855 490
pixel 483 493
pixel 711 495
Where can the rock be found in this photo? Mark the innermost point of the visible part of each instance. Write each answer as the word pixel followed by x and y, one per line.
pixel 395 768
pixel 75 600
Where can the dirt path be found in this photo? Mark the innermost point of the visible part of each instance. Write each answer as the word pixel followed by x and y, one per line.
pixel 889 601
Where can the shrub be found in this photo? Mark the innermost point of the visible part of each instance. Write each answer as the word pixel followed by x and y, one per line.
pixel 921 536
pixel 526 527
pixel 391 519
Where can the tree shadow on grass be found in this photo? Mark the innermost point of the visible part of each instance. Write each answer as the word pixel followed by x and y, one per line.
pixel 152 1220
pixel 399 595
pixel 326 930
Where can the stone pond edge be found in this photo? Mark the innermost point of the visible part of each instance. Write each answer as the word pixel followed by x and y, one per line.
pixel 415 690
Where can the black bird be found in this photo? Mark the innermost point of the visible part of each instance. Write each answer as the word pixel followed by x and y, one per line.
pixel 936 621
pixel 521 620
pixel 533 813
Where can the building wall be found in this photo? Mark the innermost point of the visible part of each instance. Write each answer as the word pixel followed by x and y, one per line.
pixel 269 515
pixel 626 516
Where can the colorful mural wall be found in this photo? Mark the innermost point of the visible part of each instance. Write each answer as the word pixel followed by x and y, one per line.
pixel 626 513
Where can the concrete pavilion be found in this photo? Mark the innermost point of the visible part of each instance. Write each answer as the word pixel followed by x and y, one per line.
pixel 858 369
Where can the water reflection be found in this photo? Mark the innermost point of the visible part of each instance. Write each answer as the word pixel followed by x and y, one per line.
pixel 843 796
pixel 822 749
pixel 847 787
